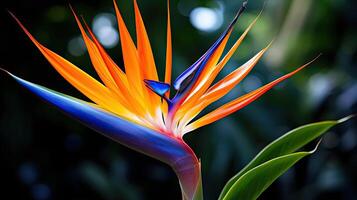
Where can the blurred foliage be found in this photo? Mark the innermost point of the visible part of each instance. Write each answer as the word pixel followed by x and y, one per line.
pixel 45 155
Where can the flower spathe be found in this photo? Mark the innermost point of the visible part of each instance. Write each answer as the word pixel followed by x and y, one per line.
pixel 135 109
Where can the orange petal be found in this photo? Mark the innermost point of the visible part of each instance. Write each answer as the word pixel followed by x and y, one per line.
pixel 225 85
pixel 131 62
pixel 207 80
pixel 99 63
pixel 119 77
pixel 188 116
pixel 188 104
pixel 239 103
pixel 146 56
pixel 144 47
pixel 190 99
pixel 212 62
pixel 222 88
pixel 168 71
pixel 86 84
pixel 229 55
pixel 117 74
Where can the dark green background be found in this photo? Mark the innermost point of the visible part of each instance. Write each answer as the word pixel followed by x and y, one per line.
pixel 45 155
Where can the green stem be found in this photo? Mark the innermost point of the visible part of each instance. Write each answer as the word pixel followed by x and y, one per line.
pixel 199 191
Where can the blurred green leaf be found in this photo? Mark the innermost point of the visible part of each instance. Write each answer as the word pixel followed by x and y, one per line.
pixel 283 146
pixel 96 177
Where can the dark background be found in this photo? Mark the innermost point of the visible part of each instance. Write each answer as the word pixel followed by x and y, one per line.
pixel 45 155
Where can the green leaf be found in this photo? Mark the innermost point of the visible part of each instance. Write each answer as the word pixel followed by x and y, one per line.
pixel 252 184
pixel 286 144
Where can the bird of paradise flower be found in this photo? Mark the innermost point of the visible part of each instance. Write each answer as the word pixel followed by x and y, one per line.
pixel 135 109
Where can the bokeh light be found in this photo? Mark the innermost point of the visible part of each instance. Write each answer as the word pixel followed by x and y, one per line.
pixel 28 173
pixel 206 19
pixel 76 46
pixel 41 192
pixel 103 28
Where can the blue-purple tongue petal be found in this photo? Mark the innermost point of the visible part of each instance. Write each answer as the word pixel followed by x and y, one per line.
pixel 159 88
pixel 168 149
pixel 190 75
pixel 134 136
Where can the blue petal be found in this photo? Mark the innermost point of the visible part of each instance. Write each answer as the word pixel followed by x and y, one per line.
pixel 190 75
pixel 159 88
pixel 167 149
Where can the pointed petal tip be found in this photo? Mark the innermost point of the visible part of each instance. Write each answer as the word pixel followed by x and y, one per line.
pixel 307 64
pixel 270 43
pixel 241 10
pixel 18 79
pixel 73 10
pixel 74 13
pixel 347 118
pixel 14 17
pixel 245 3
pixel 10 13
pixel 8 73
pixel 115 4
pixel 70 7
pixel 4 70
